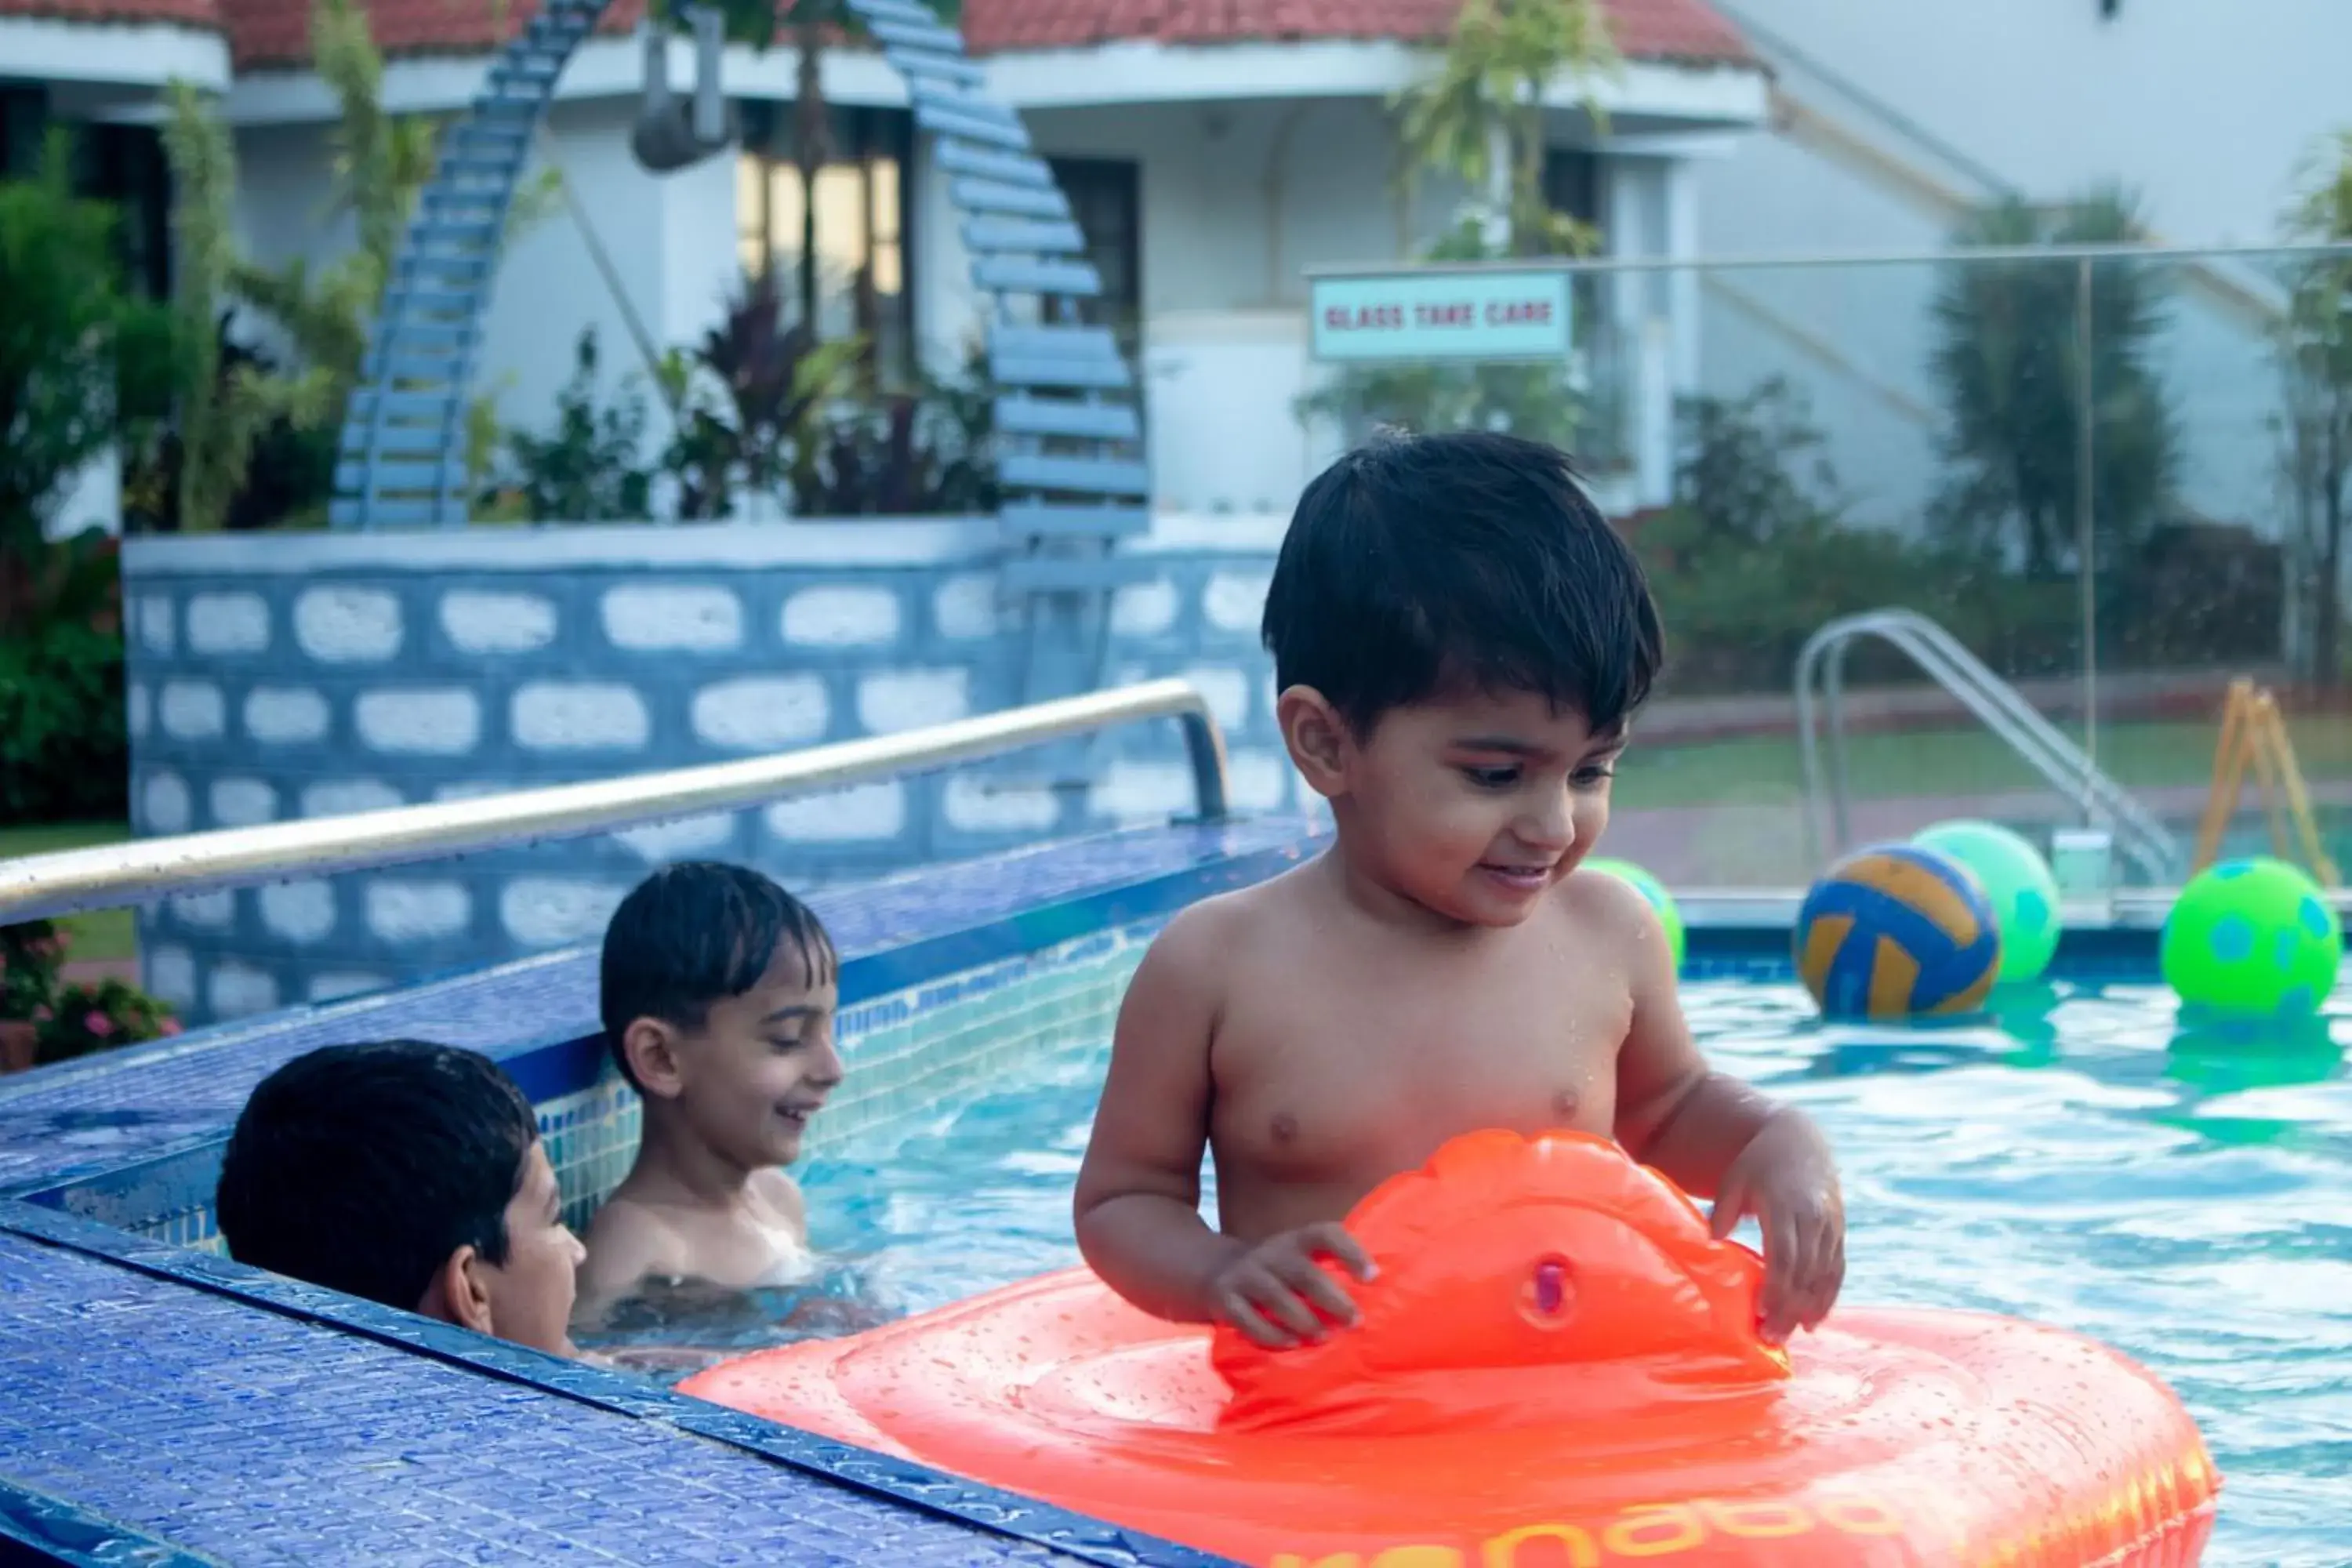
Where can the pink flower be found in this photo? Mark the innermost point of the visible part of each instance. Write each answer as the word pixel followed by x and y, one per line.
pixel 97 1022
pixel 171 1025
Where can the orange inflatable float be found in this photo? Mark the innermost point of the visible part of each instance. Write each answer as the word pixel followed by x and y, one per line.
pixel 1556 1368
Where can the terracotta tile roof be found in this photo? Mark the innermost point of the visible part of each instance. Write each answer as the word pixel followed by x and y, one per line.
pixel 1681 30
pixel 187 13
pixel 265 33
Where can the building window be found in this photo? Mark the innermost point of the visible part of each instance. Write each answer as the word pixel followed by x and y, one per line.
pixel 862 205
pixel 1571 184
pixel 1105 199
pixel 24 117
pixel 121 166
pixel 124 165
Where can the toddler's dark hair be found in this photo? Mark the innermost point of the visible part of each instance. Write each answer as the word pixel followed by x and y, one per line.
pixel 363 1167
pixel 694 934
pixel 1420 562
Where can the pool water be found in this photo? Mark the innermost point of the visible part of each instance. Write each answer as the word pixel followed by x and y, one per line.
pixel 2185 1198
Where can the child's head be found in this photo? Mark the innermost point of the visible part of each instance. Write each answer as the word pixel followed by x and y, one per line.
pixel 718 993
pixel 1459 639
pixel 408 1174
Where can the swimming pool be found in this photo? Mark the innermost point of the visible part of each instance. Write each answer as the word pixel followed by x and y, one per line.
pixel 2181 1200
pixel 2185 1198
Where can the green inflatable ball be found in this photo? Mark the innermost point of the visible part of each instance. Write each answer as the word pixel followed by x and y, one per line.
pixel 2252 938
pixel 2017 881
pixel 1651 889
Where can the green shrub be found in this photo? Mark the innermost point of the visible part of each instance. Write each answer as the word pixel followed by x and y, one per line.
pixel 64 755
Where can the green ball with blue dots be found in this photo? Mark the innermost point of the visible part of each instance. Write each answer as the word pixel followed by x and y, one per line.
pixel 2253 939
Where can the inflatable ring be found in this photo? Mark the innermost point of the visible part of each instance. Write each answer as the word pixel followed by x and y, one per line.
pixel 1556 1366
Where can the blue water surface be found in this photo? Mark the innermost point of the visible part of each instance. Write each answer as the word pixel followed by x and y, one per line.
pixel 2184 1195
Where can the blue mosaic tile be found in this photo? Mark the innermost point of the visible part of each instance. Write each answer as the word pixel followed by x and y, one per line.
pixel 109 1109
pixel 257 1437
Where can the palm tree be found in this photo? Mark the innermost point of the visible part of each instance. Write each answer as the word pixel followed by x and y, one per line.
pixel 1481 115
pixel 2010 372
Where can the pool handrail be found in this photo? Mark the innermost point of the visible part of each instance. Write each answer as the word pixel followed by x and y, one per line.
pixel 38 886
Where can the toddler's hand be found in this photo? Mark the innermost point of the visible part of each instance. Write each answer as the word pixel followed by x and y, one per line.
pixel 1786 1179
pixel 1277 1295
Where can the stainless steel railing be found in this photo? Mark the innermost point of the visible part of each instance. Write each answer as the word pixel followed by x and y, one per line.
pixel 1943 656
pixel 40 886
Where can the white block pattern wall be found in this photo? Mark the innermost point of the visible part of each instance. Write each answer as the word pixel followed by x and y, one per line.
pixel 335 688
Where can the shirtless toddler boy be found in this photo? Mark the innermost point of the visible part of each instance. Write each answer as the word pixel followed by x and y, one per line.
pixel 1459 641
pixel 718 992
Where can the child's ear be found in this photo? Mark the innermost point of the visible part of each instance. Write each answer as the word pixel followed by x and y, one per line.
pixel 460 1292
pixel 1316 737
pixel 650 1047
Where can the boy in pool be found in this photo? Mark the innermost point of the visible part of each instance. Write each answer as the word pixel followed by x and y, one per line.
pixel 409 1173
pixel 1459 642
pixel 719 991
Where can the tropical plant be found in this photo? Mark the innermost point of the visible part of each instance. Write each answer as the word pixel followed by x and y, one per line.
pixel 2315 351
pixel 2011 369
pixel 77 354
pixel 1480 116
pixel 929 451
pixel 64 755
pixel 1753 469
pixel 753 397
pixel 588 467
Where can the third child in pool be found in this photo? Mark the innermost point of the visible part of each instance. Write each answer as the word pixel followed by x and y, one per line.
pixel 1460 641
pixel 719 993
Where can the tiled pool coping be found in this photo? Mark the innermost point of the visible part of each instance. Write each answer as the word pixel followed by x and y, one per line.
pixel 161 1405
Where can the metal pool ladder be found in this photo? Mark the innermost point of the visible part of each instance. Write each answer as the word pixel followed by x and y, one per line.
pixel 2146 841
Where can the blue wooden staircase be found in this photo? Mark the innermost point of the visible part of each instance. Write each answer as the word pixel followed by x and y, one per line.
pixel 1070 429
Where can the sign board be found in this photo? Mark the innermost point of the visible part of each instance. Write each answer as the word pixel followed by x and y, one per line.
pixel 1435 315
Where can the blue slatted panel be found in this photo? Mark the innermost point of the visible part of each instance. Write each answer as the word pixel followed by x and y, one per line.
pixel 1013 168
pixel 403 452
pixel 1097 476
pixel 1021 415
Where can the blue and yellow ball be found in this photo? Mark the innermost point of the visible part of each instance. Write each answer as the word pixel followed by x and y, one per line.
pixel 1897 930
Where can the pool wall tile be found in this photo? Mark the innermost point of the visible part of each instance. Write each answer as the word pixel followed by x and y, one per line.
pixel 204 1411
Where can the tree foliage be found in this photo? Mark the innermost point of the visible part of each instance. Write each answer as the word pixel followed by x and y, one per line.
pixel 79 355
pixel 2314 351
pixel 2009 366
pixel 1486 101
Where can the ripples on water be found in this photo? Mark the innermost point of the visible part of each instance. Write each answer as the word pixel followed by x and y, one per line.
pixel 2184 1197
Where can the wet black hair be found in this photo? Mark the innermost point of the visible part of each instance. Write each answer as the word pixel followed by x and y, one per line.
pixel 1417 562
pixel 363 1167
pixel 696 932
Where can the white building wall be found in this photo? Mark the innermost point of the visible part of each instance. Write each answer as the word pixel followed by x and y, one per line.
pixel 669 242
pixel 2053 101
pixel 1238 202
pixel 2206 107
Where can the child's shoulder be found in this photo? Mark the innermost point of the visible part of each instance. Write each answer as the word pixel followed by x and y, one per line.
pixel 628 1241
pixel 1606 906
pixel 1210 928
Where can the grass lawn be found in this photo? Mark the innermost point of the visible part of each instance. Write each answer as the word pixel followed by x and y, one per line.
pixel 1766 769
pixel 103 935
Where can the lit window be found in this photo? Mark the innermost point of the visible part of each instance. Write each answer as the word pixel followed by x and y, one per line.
pixel 860 205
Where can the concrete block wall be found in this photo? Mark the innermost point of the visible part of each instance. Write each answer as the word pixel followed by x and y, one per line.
pixel 281 676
